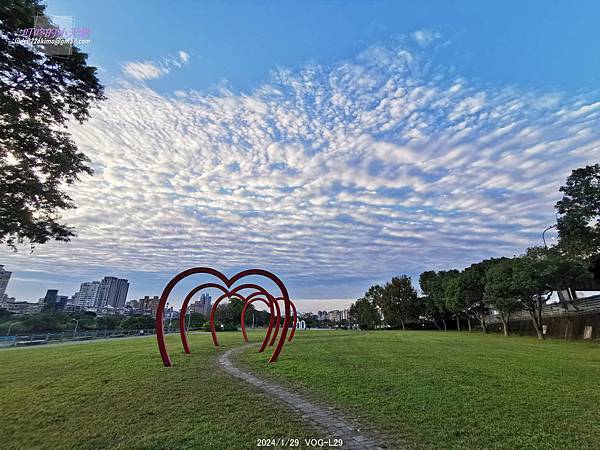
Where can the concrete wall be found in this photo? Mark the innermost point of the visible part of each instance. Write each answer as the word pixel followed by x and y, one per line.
pixel 567 326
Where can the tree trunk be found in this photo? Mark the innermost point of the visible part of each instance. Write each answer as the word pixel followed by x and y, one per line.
pixel 402 322
pixel 457 323
pixel 444 322
pixel 504 325
pixel 483 324
pixel 540 322
pixel 436 324
pixel 537 324
pixel 506 330
pixel 469 322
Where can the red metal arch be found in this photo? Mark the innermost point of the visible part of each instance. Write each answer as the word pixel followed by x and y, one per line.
pixel 228 282
pixel 278 299
pixel 277 322
pixel 183 311
pixel 251 299
pixel 184 306
pixel 243 324
pixel 295 323
pixel 234 293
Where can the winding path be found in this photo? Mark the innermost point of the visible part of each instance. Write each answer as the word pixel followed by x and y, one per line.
pixel 326 418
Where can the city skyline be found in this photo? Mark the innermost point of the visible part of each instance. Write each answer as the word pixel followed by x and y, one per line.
pixel 90 294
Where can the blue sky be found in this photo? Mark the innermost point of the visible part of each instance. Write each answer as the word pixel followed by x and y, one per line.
pixel 336 143
pixel 538 43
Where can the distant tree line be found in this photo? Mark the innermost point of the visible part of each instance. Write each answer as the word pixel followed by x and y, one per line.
pixel 57 321
pixel 50 320
pixel 524 282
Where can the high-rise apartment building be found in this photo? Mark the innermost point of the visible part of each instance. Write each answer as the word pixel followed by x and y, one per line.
pixel 4 278
pixel 87 296
pixel 54 302
pixel 201 306
pixel 113 292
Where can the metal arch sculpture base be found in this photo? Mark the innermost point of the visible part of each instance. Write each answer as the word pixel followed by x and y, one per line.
pixel 227 292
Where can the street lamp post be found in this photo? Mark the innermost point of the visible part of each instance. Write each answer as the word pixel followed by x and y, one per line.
pixel 165 316
pixel 544 234
pixel 76 325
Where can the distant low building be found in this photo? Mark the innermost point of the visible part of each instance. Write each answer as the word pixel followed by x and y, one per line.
pixel 71 308
pixel 23 307
pixel 108 310
pixel 149 305
pixel 133 304
pixel 6 299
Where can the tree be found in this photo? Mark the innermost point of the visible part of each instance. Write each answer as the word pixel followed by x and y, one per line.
pixel 466 291
pixel 375 295
pixel 5 315
pixel 398 301
pixel 433 285
pixel 428 308
pixel 310 320
pixel 498 291
pixel 364 313
pixel 455 303
pixel 38 95
pixel 45 322
pixel 109 322
pixel 537 274
pixel 230 313
pixel 579 209
pixel 197 319
pixel 138 323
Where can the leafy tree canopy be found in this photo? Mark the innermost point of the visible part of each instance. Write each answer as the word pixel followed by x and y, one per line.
pixel 398 301
pixel 39 94
pixel 364 313
pixel 579 213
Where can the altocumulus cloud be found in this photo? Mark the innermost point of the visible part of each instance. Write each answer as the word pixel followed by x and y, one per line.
pixel 376 165
pixel 150 70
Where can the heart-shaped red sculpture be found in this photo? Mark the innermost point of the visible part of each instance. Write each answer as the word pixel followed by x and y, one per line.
pixel 260 291
pixel 227 292
pixel 255 297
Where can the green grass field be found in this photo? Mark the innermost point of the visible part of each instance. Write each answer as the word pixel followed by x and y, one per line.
pixel 427 389
pixel 117 394
pixel 452 390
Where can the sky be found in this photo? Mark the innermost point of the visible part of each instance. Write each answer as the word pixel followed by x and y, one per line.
pixel 336 144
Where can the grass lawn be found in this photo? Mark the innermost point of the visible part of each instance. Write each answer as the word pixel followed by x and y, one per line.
pixel 117 394
pixel 451 389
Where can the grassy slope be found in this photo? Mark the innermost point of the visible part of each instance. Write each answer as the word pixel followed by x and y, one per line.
pixel 117 394
pixel 452 390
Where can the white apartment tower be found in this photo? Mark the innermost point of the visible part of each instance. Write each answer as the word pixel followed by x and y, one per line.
pixel 88 294
pixel 4 277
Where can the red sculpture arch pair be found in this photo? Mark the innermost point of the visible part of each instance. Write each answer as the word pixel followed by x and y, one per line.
pixel 228 292
pixel 277 321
